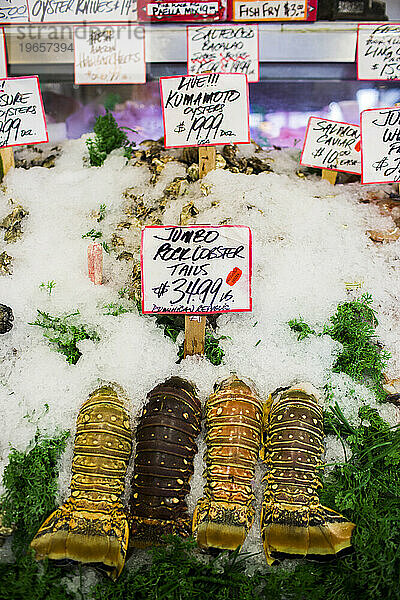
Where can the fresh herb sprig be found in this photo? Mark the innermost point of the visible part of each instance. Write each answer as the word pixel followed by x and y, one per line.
pixel 96 235
pixel 30 483
pixel 48 286
pixel 108 137
pixel 64 334
pixel 361 356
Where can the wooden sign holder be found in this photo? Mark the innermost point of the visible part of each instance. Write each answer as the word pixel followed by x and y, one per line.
pixel 195 325
pixel 7 160
pixel 330 176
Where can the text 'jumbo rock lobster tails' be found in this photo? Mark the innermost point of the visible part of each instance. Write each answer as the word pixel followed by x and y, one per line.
pixel 165 451
pixel 224 515
pixel 92 527
pixel 293 522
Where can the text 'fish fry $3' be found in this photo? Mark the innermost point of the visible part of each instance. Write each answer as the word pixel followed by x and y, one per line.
pixel 293 522
pixel 225 514
pixel 91 526
pixel 165 450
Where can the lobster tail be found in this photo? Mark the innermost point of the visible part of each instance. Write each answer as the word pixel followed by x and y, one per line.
pixel 293 522
pixel 165 450
pixel 224 516
pixel 92 527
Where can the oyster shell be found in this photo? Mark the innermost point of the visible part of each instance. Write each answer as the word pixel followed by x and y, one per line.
pixel 6 324
pixel 12 223
pixel 5 264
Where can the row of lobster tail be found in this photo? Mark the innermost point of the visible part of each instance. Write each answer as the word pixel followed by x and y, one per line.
pixel 93 527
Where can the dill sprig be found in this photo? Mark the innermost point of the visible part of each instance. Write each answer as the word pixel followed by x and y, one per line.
pixel 65 335
pixel 30 483
pixel 108 137
pixel 361 356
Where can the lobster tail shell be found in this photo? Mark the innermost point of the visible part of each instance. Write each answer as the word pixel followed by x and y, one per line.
pixel 91 526
pixel 165 450
pixel 225 514
pixel 293 522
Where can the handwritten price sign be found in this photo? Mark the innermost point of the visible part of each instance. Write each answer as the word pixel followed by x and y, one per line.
pixel 22 119
pixel 332 145
pixel 201 110
pixel 380 133
pixel 270 10
pixel 69 11
pixel 13 11
pixel 110 54
pixel 198 269
pixel 223 49
pixel 378 51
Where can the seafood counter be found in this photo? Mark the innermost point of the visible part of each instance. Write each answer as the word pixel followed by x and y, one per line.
pixel 228 448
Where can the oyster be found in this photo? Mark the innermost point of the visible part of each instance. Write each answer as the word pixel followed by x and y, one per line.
pixel 189 212
pixel 6 324
pixel 12 224
pixel 5 264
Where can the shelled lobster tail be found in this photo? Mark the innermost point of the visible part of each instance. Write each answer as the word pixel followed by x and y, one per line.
pixel 293 522
pixel 91 526
pixel 165 451
pixel 224 516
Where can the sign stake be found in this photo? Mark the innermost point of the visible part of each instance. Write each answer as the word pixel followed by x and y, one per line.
pixel 195 326
pixel 330 176
pixel 7 160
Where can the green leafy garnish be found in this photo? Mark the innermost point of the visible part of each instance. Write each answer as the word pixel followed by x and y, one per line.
pixel 361 356
pixel 65 335
pixel 30 483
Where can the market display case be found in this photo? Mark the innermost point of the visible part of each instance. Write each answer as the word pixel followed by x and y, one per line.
pixel 199 332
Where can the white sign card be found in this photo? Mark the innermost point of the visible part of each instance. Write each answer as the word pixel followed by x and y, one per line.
pixel 332 145
pixel 223 49
pixel 201 110
pixel 271 10
pixel 378 51
pixel 380 152
pixel 109 54
pixel 3 54
pixel 13 11
pixel 22 119
pixel 198 269
pixel 73 11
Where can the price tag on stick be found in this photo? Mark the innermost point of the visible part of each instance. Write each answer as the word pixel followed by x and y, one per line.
pixel 332 146
pixel 204 110
pixel 196 269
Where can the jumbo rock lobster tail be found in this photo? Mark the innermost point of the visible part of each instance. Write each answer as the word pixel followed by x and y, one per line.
pixel 225 514
pixel 92 526
pixel 293 522
pixel 165 450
